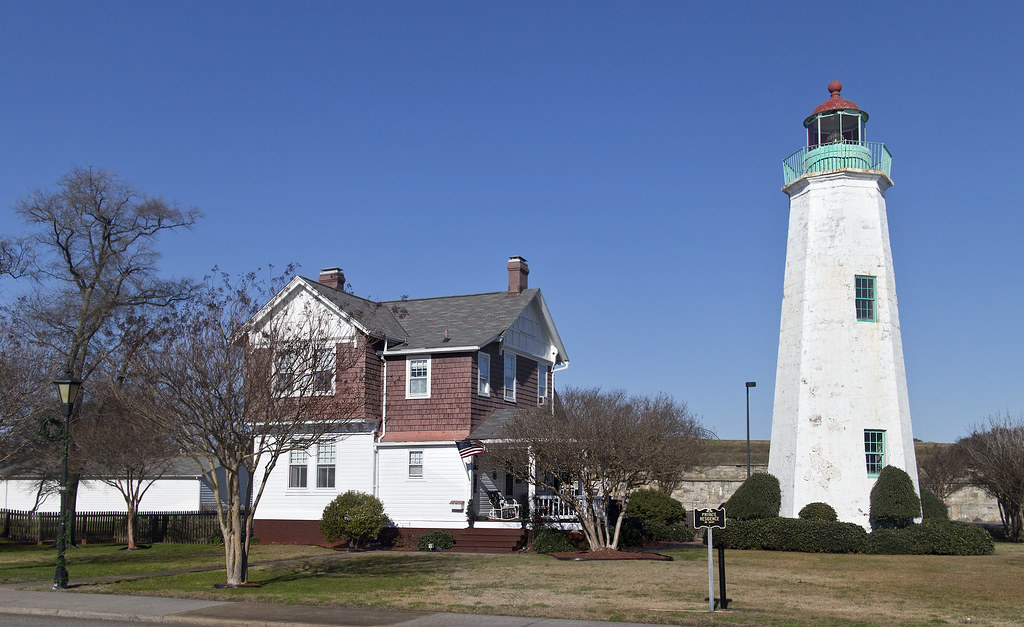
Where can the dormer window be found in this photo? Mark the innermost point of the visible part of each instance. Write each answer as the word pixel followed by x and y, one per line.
pixel 417 371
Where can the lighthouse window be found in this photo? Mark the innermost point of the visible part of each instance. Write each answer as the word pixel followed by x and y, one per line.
pixel 874 451
pixel 864 288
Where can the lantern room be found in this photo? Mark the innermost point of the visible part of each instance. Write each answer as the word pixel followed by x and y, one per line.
pixel 836 120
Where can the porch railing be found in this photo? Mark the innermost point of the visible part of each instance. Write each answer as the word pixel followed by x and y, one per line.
pixel 550 506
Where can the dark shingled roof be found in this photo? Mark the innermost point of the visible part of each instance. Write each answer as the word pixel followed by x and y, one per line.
pixel 471 320
pixel 377 318
pixel 491 428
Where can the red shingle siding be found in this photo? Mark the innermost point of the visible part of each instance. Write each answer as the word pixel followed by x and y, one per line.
pixel 449 406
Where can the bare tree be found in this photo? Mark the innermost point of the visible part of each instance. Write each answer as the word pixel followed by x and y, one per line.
pixel 26 394
pixel 236 392
pixel 941 469
pixel 595 446
pixel 125 452
pixel 90 254
pixel 995 454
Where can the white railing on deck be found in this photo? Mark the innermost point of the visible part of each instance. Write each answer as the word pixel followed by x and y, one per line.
pixel 550 506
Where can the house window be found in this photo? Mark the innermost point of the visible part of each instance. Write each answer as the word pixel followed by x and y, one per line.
pixel 510 377
pixel 323 372
pixel 418 376
pixel 298 373
pixel 325 454
pixel 864 288
pixel 297 469
pixel 415 464
pixel 542 385
pixel 874 451
pixel 284 373
pixel 483 374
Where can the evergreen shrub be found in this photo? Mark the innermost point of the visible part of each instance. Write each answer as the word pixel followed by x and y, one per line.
pixel 933 507
pixel 931 538
pixel 631 533
pixel 354 517
pixel 552 541
pixel 894 504
pixel 758 497
pixel 821 512
pixel 442 539
pixel 675 532
pixel 651 505
pixel 791 534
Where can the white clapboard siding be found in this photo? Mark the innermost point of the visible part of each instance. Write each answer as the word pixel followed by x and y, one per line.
pixel 165 495
pixel 353 471
pixel 426 501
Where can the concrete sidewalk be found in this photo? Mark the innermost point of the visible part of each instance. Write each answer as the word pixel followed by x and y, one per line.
pixel 71 604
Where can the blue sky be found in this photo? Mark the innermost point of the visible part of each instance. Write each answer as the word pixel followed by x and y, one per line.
pixel 630 151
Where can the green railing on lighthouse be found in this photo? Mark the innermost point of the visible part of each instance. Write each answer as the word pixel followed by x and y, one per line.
pixel 842 155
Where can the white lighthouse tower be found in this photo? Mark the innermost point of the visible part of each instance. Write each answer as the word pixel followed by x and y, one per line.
pixel 841 408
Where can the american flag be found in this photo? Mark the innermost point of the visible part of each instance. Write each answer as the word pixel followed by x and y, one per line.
pixel 469 448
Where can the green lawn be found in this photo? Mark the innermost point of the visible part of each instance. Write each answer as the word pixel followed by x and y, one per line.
pixel 770 588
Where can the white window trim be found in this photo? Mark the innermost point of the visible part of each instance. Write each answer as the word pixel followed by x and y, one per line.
pixel 421 465
pixel 408 378
pixel 542 376
pixel 292 463
pixel 322 449
pixel 504 377
pixel 483 386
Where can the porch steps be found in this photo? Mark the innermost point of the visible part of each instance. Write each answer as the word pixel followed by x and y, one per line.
pixel 475 540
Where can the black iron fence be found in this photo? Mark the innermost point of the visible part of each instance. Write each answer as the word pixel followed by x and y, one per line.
pixel 173 527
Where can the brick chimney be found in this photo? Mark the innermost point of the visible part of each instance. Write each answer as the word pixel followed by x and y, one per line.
pixel 517 273
pixel 333 278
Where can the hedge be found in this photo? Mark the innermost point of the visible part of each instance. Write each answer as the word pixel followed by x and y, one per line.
pixel 894 503
pixel 933 507
pixel 655 506
pixel 552 541
pixel 355 517
pixel 758 497
pixel 442 539
pixel 818 511
pixel 931 538
pixel 676 532
pixel 791 534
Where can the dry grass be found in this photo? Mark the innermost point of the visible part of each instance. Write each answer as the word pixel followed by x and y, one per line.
pixel 767 588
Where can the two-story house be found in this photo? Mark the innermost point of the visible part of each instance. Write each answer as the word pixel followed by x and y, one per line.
pixel 434 372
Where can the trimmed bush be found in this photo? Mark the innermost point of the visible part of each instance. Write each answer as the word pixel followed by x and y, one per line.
pixel 791 534
pixel 675 532
pixel 442 540
pixel 932 507
pixel 354 517
pixel 631 533
pixel 931 538
pixel 552 541
pixel 655 506
pixel 821 512
pixel 894 504
pixel 758 497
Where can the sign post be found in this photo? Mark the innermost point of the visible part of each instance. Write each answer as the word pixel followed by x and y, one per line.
pixel 709 519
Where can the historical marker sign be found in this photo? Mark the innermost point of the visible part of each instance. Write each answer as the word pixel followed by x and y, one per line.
pixel 710 517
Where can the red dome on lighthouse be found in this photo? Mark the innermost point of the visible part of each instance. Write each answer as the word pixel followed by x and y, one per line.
pixel 836 102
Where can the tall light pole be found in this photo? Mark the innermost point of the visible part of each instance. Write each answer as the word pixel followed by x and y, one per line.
pixel 750 384
pixel 67 388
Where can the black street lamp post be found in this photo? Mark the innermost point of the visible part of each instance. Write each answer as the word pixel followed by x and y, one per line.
pixel 750 384
pixel 67 388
